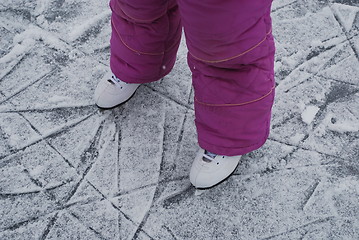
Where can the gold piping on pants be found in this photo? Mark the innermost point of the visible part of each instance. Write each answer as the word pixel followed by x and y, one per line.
pixel 230 58
pixel 234 104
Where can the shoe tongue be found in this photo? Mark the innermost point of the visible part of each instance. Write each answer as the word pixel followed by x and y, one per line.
pixel 208 156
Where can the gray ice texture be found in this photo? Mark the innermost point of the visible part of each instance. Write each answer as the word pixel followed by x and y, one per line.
pixel 69 170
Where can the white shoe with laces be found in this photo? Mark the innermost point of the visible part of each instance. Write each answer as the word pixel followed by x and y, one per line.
pixel 209 169
pixel 111 91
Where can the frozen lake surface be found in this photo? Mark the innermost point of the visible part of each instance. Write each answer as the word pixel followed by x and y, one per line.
pixel 71 171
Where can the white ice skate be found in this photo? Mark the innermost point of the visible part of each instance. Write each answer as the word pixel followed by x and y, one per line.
pixel 210 169
pixel 111 91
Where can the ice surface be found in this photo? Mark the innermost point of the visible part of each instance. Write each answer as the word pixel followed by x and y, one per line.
pixel 309 113
pixel 68 226
pixel 71 171
pixel 80 30
pixel 346 14
pixel 34 229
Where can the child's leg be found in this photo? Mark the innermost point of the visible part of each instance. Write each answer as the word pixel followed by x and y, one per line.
pixel 231 56
pixel 145 38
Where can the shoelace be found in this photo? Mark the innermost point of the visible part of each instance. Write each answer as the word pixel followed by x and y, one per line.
pixel 116 81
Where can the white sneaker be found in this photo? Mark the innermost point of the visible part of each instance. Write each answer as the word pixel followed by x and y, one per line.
pixel 111 91
pixel 210 169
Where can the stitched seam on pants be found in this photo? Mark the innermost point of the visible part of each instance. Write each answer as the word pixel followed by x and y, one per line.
pixel 235 104
pixel 143 20
pixel 236 56
pixel 172 46
pixel 147 20
pixel 139 52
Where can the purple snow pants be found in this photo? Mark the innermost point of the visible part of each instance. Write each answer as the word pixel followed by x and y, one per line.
pixel 231 56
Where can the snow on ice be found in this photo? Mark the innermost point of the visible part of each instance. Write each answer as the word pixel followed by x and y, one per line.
pixel 69 170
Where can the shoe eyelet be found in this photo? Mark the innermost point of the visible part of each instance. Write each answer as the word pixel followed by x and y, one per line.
pixel 222 156
pixel 217 163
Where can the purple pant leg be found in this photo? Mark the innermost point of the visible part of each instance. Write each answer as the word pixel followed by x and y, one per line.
pixel 231 56
pixel 145 38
